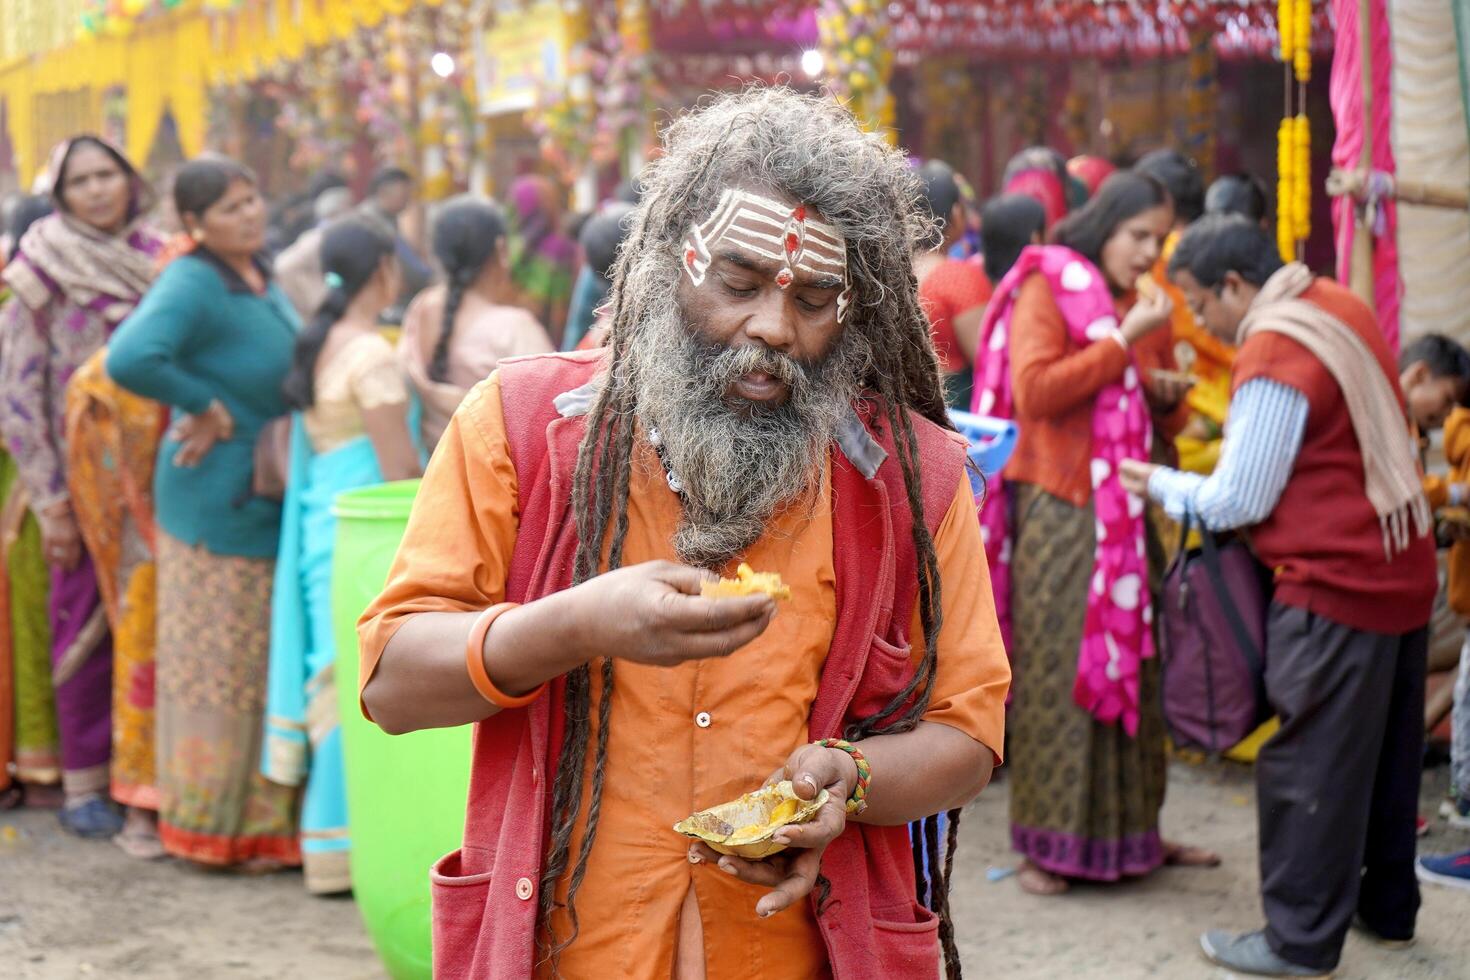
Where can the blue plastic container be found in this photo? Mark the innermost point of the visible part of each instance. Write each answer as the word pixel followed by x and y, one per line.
pixel 991 443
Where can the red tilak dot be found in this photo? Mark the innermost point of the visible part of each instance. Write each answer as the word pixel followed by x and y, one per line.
pixel 689 256
pixel 783 278
pixel 792 244
pixel 800 213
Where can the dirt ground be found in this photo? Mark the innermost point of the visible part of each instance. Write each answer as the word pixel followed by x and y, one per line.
pixel 70 909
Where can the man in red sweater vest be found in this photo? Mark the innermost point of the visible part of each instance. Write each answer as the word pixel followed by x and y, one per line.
pixel 770 396
pixel 1318 466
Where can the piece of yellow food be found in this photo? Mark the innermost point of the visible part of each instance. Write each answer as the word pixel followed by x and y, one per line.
pixel 744 827
pixel 747 582
pixel 1146 286
pixel 1455 515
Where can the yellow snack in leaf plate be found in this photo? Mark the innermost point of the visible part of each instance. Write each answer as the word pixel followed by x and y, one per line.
pixel 744 827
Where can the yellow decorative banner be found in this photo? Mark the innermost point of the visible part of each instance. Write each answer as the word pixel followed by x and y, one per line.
pixel 522 55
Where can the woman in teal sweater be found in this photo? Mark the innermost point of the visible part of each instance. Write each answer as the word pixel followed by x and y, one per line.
pixel 213 340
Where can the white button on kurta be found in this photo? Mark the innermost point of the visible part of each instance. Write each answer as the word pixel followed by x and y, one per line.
pixel 524 889
pixel 702 719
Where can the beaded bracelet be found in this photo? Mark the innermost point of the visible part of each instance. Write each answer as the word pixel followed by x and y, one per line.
pixel 474 656
pixel 858 801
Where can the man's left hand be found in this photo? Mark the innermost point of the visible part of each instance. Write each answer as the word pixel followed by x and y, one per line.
pixel 792 874
pixel 1135 475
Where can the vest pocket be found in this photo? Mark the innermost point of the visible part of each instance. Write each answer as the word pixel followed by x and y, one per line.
pixel 459 903
pixel 888 669
pixel 907 945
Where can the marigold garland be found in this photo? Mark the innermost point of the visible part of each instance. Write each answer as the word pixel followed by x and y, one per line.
pixel 1294 135
pixel 1285 195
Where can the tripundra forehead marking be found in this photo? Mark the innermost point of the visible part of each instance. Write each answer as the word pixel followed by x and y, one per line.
pixel 770 230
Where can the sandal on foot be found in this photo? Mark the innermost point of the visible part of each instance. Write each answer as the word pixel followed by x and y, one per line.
pixel 140 844
pixel 91 817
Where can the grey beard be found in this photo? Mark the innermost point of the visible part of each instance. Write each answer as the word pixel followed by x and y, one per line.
pixel 738 464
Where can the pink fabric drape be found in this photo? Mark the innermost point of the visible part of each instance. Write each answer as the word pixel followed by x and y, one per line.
pixel 1347 111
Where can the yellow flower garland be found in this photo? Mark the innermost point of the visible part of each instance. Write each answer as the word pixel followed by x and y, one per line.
pixel 1285 196
pixel 1294 135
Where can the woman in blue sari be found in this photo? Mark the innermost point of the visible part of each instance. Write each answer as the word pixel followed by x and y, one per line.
pixel 350 429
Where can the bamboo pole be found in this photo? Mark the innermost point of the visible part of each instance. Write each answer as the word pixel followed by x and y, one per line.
pixel 1361 273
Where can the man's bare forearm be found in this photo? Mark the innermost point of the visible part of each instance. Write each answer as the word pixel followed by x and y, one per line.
pixel 928 770
pixel 422 681
pixel 651 613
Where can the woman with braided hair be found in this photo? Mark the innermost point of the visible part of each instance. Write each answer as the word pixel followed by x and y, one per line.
pixel 769 394
pixel 455 333
pixel 350 429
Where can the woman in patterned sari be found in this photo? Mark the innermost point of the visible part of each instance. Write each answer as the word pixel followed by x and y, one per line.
pixel 112 439
pixel 212 340
pixel 350 430
pixel 77 275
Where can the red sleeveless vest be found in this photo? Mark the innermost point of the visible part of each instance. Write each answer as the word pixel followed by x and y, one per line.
pixel 1323 541
pixel 485 899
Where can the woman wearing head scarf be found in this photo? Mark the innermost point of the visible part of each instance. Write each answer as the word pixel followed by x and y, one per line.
pixel 1040 173
pixel 1081 361
pixel 454 334
pixel 213 341
pixel 1090 171
pixel 542 259
pixel 77 274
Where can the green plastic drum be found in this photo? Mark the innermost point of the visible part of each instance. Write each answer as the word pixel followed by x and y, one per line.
pixel 405 793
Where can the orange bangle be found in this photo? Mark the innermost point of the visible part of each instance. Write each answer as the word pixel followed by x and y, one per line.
pixel 474 658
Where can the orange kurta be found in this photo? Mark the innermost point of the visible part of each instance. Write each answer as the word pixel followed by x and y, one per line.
pixel 688 737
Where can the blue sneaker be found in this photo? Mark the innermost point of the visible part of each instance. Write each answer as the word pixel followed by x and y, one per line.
pixel 91 816
pixel 1450 870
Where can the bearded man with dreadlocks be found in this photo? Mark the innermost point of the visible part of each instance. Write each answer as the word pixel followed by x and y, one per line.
pixel 770 395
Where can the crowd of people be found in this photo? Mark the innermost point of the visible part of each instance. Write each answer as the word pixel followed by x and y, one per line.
pixel 776 319
pixel 180 411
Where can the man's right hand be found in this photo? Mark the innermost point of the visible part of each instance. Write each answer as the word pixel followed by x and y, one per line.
pixel 652 613
pixel 649 614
